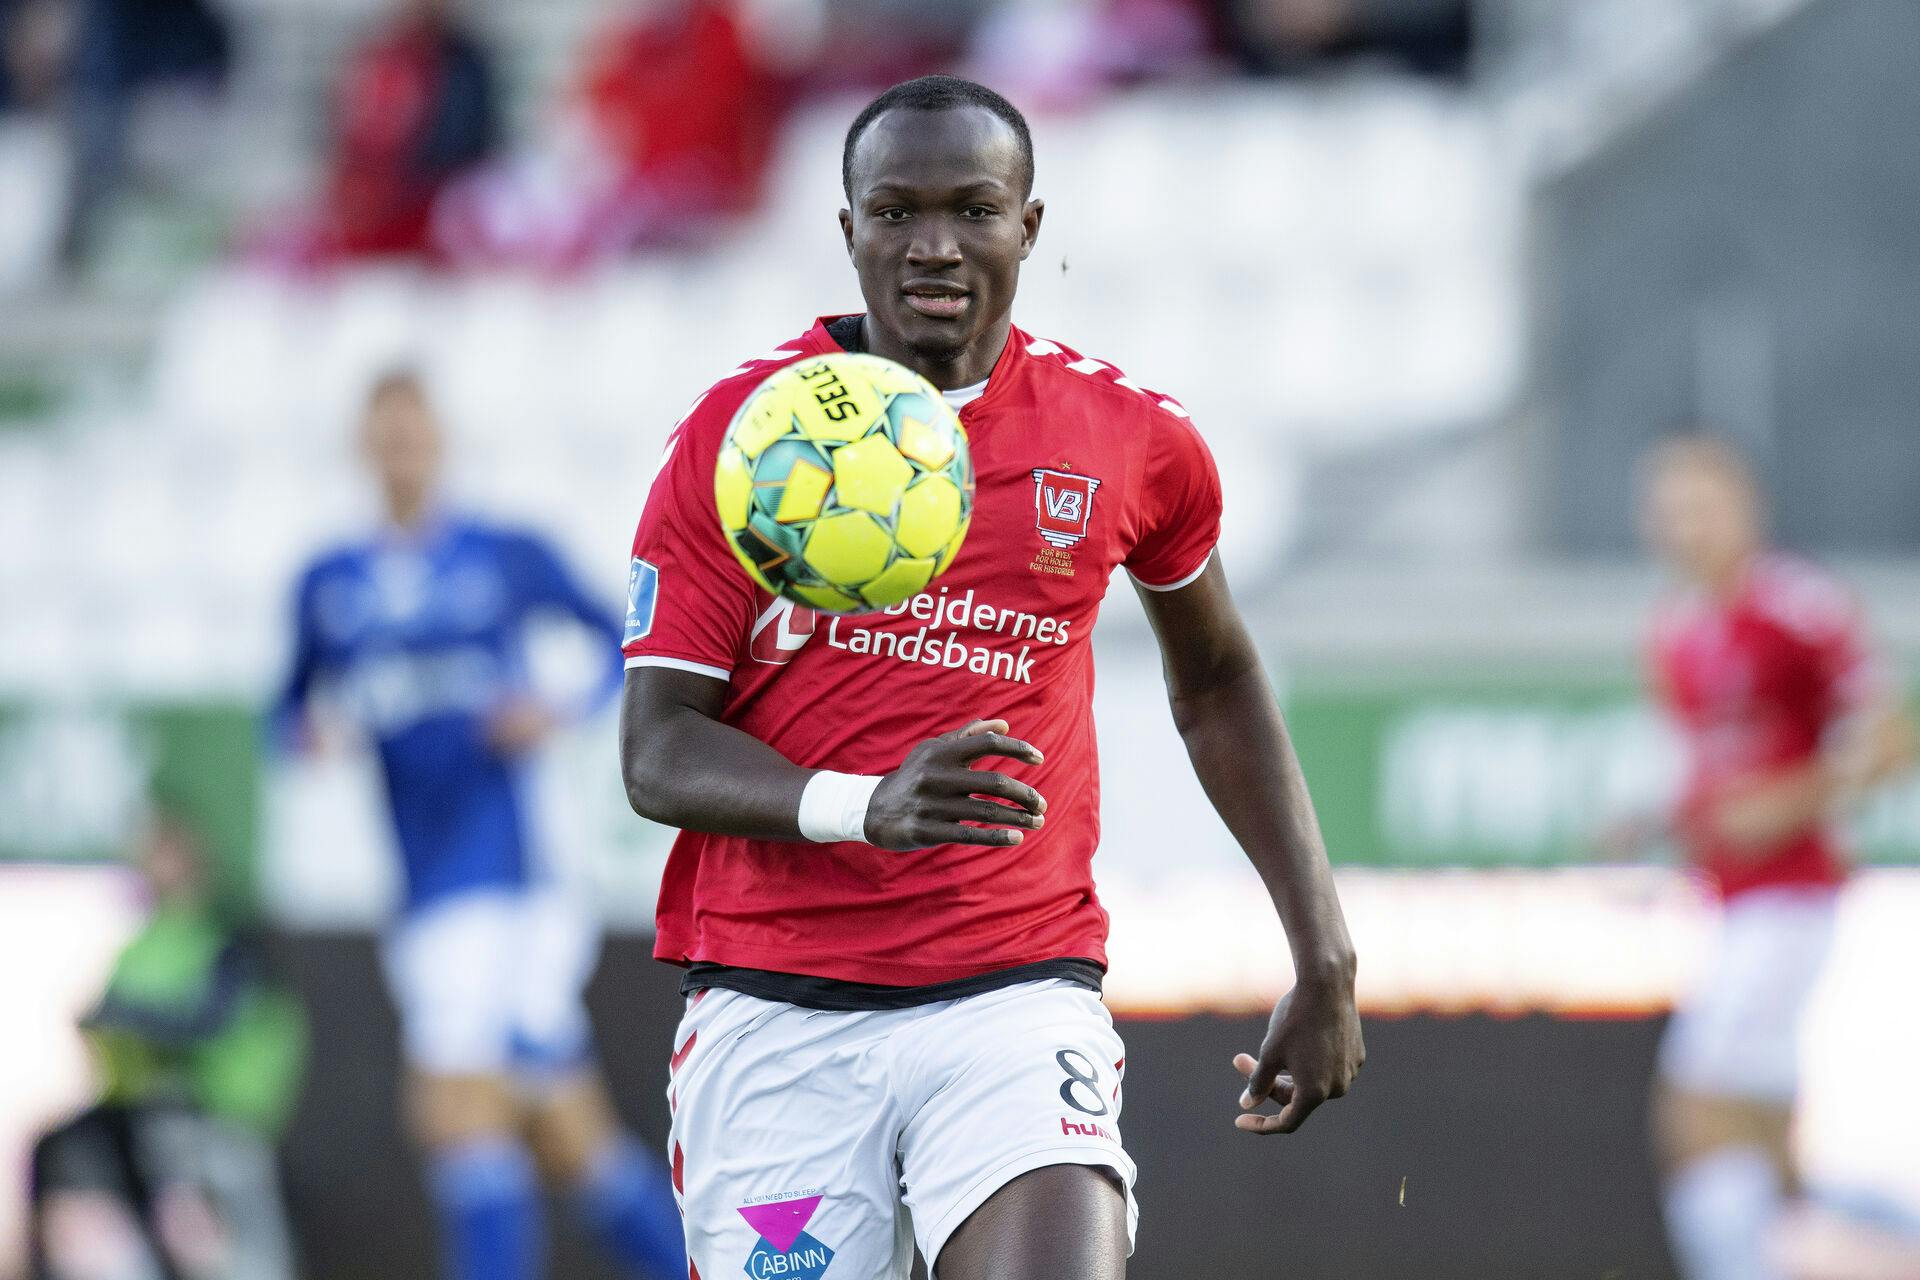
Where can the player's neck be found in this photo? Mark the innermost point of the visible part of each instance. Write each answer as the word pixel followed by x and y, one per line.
pixel 1726 580
pixel 408 512
pixel 973 364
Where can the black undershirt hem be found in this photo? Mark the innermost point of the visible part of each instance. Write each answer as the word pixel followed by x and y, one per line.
pixel 834 996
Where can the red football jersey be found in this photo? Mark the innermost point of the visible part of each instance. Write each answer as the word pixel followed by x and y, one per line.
pixel 1079 471
pixel 1755 682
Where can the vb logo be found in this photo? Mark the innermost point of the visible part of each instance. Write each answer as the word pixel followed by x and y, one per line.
pixel 1063 505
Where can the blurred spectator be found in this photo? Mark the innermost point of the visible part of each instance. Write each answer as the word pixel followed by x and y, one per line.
pixel 684 108
pixel 415 107
pixel 876 43
pixel 172 1172
pixel 33 42
pixel 669 131
pixel 1282 37
pixel 1061 53
pixel 120 49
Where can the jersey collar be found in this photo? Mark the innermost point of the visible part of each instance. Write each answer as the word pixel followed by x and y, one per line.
pixel 1004 369
pixel 433 531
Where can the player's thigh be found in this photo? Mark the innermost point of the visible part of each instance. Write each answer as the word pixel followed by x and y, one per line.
pixel 1690 1126
pixel 444 1111
pixel 451 969
pixel 1736 1035
pixel 243 1176
pixel 783 1142
pixel 83 1222
pixel 87 1153
pixel 90 1235
pixel 1013 1082
pixel 1061 1220
pixel 570 1122
pixel 557 944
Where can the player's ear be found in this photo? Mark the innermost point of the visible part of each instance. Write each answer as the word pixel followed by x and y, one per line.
pixel 1030 226
pixel 846 229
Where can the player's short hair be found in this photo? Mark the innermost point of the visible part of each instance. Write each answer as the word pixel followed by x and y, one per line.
pixel 940 93
pixel 1712 453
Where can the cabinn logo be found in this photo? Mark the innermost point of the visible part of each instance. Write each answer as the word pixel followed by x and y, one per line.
pixel 785 1251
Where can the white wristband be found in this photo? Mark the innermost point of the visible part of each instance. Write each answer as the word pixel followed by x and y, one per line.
pixel 834 806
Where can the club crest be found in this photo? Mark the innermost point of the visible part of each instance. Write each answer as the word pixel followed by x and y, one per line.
pixel 1063 504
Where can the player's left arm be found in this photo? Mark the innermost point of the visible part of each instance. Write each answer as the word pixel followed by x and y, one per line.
pixel 1226 712
pixel 546 584
pixel 289 724
pixel 1871 745
pixel 1869 737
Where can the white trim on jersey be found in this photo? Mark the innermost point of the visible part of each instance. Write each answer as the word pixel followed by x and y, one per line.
pixel 679 664
pixel 1179 582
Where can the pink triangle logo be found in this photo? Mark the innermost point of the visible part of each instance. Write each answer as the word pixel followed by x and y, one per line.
pixel 781 1222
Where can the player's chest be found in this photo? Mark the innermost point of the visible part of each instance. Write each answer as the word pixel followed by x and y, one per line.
pixel 1053 514
pixel 1733 670
pixel 413 602
pixel 1055 506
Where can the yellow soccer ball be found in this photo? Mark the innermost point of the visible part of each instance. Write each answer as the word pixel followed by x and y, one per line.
pixel 844 483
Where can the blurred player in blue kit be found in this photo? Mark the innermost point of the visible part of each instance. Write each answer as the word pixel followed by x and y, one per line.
pixel 418 633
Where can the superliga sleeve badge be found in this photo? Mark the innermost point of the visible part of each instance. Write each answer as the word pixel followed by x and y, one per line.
pixel 643 593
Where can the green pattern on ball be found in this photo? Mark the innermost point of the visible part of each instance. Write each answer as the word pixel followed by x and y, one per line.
pixel 867 488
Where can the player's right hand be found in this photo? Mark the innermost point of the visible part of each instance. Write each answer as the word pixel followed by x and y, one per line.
pixel 936 792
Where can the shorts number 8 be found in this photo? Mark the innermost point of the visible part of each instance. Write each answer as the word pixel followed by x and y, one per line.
pixel 1085 1076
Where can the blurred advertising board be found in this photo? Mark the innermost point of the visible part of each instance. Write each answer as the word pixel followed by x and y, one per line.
pixel 1500 769
pixel 75 778
pixel 1488 769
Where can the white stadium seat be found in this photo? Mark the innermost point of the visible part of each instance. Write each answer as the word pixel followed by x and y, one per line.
pixel 1312 270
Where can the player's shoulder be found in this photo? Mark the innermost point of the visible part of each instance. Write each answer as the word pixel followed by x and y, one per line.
pixel 497 534
pixel 1677 613
pixel 1067 372
pixel 1802 597
pixel 342 556
pixel 714 408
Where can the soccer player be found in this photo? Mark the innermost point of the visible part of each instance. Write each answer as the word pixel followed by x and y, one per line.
pixel 418 633
pixel 1761 661
pixel 894 1034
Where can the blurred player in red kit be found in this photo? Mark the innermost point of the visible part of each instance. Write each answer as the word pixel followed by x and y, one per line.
pixel 894 1036
pixel 1762 662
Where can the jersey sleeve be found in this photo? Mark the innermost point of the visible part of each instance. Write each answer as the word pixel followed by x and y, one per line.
pixel 1851 672
pixel 689 603
pixel 545 584
pixel 1826 621
pixel 1181 518
pixel 289 710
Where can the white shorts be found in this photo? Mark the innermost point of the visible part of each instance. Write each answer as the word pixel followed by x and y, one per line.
pixel 488 982
pixel 803 1137
pixel 1737 1035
